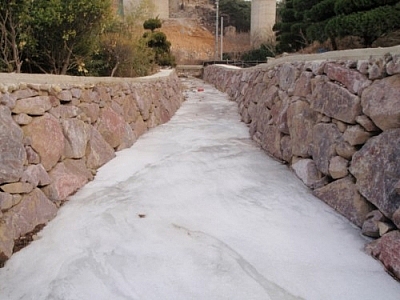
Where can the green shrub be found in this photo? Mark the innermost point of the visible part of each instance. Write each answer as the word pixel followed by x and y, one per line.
pixel 152 24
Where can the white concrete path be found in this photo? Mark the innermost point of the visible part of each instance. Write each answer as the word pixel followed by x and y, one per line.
pixel 195 210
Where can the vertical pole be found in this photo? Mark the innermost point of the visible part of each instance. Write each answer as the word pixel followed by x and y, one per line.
pixel 216 29
pixel 121 8
pixel 222 37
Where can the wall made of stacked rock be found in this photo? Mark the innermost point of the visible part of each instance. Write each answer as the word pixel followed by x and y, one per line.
pixel 336 123
pixel 53 138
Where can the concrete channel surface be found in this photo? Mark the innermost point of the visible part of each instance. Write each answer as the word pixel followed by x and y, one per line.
pixel 195 210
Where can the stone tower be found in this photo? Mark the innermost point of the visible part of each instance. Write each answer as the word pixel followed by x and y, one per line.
pixel 263 15
pixel 161 7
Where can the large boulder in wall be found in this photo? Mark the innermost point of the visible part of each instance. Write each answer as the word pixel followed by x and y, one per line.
pixel 381 102
pixel 344 197
pixel 33 209
pixel 47 139
pixel 376 166
pixel 98 151
pixel 12 151
pixel 76 134
pixel 325 139
pixel 66 178
pixel 301 120
pixel 111 126
pixel 386 249
pixel 335 101
pixel 271 141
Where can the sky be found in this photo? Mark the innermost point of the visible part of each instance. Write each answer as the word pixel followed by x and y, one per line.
pixel 196 210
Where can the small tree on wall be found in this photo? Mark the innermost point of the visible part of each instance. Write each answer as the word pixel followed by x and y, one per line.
pixel 157 41
pixel 152 24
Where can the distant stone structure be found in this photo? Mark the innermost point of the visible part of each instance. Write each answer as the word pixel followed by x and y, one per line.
pixel 263 16
pixel 175 5
pixel 161 7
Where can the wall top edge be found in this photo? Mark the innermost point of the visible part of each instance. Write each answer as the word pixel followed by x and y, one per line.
pixel 354 54
pixel 7 79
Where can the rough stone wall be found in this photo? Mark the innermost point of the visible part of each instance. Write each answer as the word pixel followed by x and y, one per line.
pixel 53 138
pixel 336 123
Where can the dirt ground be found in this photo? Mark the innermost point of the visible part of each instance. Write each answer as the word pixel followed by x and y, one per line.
pixel 192 43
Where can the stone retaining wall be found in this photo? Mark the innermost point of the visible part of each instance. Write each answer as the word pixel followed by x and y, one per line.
pixel 336 123
pixel 54 136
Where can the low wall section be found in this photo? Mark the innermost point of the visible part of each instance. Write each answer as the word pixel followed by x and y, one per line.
pixel 336 122
pixel 56 131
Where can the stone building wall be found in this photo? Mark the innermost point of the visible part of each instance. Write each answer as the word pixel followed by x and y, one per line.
pixel 53 138
pixel 336 123
pixel 263 17
pixel 161 7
